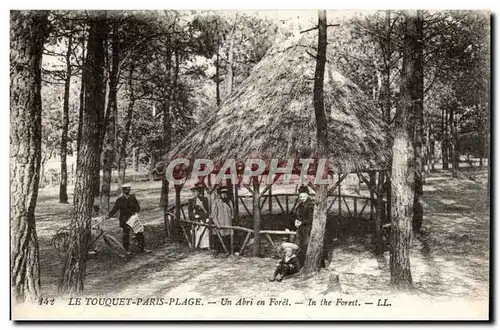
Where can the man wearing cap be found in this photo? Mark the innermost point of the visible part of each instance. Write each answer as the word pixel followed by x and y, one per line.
pixel 198 204
pixel 128 205
pixel 303 189
pixel 303 223
pixel 289 264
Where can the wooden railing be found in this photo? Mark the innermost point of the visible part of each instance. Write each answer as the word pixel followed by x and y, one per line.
pixel 193 241
pixel 286 205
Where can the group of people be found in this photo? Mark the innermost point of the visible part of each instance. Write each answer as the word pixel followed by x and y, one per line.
pixel 221 214
pixel 294 255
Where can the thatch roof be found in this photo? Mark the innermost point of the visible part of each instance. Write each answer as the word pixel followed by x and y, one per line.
pixel 271 115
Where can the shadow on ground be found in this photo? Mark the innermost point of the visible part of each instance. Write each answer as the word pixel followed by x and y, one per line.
pixel 449 259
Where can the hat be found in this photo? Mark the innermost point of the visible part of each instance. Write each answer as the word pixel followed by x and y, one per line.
pixel 288 245
pixel 303 189
pixel 223 189
pixel 126 185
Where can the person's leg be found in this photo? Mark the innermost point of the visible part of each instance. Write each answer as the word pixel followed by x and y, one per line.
pixel 126 236
pixel 299 240
pixel 216 243
pixel 306 233
pixel 276 272
pixel 227 242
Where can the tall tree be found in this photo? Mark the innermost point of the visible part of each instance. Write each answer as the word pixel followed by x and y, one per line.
pixel 63 186
pixel 418 120
pixel 315 248
pixel 122 156
pixel 403 162
pixel 73 273
pixel 166 120
pixel 28 33
pixel 81 106
pixel 110 142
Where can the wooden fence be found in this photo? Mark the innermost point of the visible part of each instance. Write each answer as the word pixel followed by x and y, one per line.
pixel 351 205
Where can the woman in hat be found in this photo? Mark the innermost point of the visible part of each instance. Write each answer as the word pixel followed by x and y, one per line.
pixel 198 210
pixel 303 222
pixel 222 215
pixel 289 264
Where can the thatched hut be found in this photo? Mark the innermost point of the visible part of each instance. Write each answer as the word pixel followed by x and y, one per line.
pixel 271 115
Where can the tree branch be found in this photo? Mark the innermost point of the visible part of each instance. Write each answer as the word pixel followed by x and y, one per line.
pixel 308 30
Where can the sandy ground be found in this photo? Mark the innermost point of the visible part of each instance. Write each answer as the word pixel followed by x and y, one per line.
pixel 450 259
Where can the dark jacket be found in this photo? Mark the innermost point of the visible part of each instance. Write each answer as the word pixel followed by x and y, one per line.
pixel 304 212
pixel 289 267
pixel 127 205
pixel 196 212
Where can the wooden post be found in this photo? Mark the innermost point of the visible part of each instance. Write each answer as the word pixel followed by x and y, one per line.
pixel 286 201
pixel 210 231
pixel 256 216
pixel 232 242
pixel 371 186
pixel 230 190
pixel 236 203
pixel 340 194
pixel 355 207
pixel 270 199
pixel 178 188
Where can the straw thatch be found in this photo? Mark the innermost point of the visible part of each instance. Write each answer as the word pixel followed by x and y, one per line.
pixel 271 115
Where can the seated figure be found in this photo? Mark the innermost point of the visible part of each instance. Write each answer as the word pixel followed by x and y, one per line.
pixel 289 264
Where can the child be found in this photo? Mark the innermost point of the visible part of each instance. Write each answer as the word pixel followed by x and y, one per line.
pixel 289 264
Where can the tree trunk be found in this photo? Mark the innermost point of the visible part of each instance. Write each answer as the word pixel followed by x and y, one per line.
pixel 315 248
pixel 167 134
pixel 444 138
pixel 377 238
pixel 229 68
pixel 229 89
pixel 217 81
pixel 152 164
pixel 63 184
pixel 454 167
pixel 28 30
pixel 73 273
pixel 82 105
pixel 418 121
pixel 388 194
pixel 110 142
pixel 122 162
pixel 166 147
pixel 455 154
pixel 388 101
pixel 403 164
pixel 135 163
pixel 387 71
pixel 432 148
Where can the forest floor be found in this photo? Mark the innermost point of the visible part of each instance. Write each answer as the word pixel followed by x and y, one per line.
pixel 449 259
